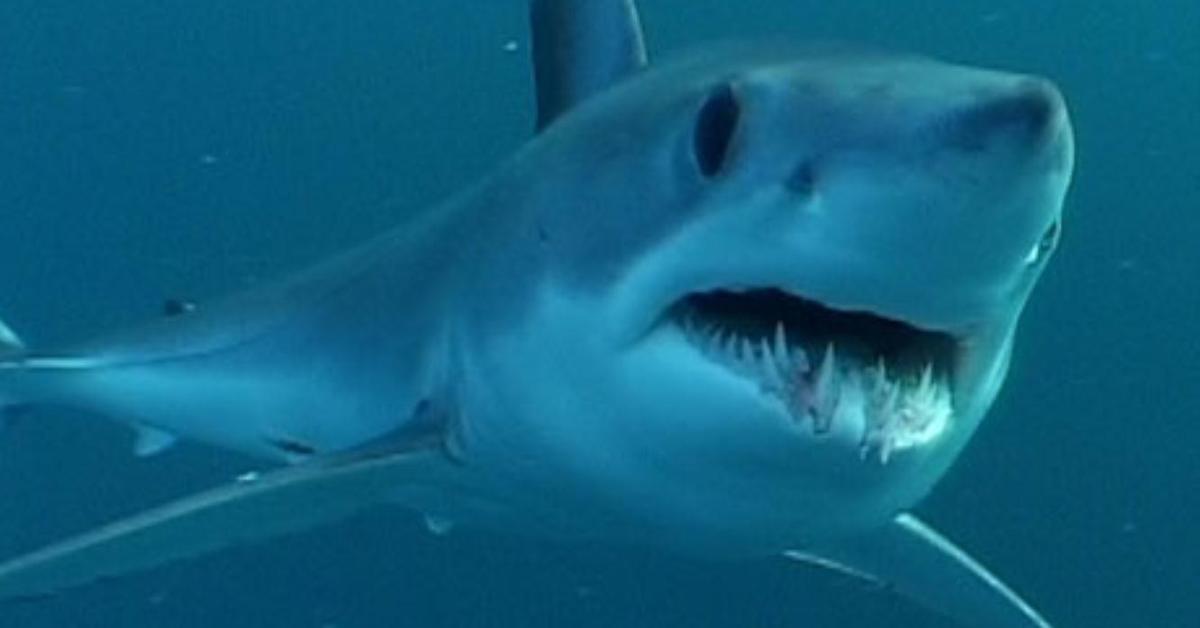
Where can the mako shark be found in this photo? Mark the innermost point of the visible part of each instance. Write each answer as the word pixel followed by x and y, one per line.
pixel 749 303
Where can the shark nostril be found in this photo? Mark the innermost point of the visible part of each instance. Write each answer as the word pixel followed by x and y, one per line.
pixel 1025 113
pixel 803 180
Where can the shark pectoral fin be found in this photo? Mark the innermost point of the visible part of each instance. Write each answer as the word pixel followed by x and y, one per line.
pixel 916 561
pixel 581 48
pixel 255 508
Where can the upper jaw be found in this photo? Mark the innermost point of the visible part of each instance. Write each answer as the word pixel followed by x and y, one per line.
pixel 888 384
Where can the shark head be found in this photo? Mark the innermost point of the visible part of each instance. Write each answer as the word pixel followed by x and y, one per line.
pixel 749 303
pixel 795 276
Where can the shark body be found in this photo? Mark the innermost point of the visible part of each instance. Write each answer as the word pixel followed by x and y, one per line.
pixel 752 302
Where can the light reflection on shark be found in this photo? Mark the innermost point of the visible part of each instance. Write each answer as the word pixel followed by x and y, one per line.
pixel 751 302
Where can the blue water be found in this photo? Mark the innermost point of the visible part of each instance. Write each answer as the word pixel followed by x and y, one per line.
pixel 152 148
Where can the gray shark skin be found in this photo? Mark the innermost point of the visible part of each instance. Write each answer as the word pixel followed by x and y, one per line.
pixel 751 302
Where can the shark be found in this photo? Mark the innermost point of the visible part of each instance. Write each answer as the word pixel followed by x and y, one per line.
pixel 749 302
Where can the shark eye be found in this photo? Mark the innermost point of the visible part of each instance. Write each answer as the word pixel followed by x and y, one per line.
pixel 715 126
pixel 1042 249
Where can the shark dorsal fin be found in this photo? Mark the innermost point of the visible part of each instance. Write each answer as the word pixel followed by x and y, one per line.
pixel 581 48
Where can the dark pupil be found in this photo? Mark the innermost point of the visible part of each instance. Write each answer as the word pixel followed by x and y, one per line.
pixel 714 130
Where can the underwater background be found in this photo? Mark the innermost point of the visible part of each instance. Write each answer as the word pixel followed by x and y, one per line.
pixel 176 148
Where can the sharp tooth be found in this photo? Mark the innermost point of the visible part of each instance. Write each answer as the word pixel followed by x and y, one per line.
pixel 766 354
pixel 925 387
pixel 852 401
pixel 885 449
pixel 926 393
pixel 826 372
pixel 770 366
pixel 780 350
pixel 745 351
pixel 825 392
pixel 731 346
pixel 690 331
pixel 888 410
pixel 716 340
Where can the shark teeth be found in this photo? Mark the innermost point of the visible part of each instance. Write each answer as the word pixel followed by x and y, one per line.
pixel 888 412
pixel 780 348
pixel 826 391
pixel 772 367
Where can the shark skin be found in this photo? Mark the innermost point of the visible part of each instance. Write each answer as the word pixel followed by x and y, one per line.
pixel 751 302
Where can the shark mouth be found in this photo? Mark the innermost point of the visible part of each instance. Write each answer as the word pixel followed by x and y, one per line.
pixel 831 369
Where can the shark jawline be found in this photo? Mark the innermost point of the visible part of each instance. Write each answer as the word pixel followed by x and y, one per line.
pixel 890 378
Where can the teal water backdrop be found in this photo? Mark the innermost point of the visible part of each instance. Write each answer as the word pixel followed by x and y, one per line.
pixel 154 148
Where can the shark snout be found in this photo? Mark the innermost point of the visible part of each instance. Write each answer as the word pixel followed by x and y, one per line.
pixel 1029 115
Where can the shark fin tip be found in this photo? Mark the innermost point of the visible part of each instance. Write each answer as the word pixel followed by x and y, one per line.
pixel 151 442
